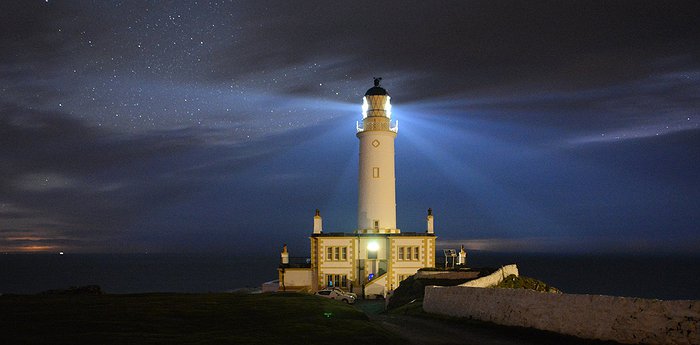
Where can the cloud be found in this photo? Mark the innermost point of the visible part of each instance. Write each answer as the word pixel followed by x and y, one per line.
pixel 35 182
pixel 467 46
pixel 654 106
pixel 639 132
pixel 75 185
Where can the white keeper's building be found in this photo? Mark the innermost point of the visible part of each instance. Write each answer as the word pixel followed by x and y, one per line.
pixel 377 256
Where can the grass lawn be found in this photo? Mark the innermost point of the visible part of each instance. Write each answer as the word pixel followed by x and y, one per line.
pixel 184 319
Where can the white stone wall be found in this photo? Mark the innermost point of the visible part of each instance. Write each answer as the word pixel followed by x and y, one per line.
pixel 621 319
pixel 376 287
pixel 296 278
pixel 494 278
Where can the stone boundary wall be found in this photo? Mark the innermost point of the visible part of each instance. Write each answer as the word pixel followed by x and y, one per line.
pixel 622 319
pixel 494 278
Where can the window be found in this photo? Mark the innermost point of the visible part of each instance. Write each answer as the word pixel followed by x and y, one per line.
pixel 376 225
pixel 409 253
pixel 372 255
pixel 336 253
pixel 337 280
pixel 375 172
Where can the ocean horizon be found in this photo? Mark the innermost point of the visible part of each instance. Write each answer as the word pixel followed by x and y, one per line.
pixel 668 277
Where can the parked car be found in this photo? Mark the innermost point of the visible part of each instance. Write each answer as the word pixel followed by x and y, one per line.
pixel 343 292
pixel 337 294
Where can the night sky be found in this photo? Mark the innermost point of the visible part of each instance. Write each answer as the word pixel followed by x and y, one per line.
pixel 219 126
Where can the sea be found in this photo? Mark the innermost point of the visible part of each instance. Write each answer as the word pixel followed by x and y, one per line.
pixel 667 277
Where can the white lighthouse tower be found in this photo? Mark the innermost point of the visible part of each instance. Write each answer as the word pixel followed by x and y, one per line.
pixel 376 211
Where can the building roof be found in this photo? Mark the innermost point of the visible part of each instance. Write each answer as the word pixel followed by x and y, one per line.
pixel 376 91
pixel 353 234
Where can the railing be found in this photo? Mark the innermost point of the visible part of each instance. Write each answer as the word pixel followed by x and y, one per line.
pixel 445 262
pixel 298 262
pixel 374 280
pixel 377 126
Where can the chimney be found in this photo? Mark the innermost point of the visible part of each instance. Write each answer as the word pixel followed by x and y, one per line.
pixel 284 256
pixel 318 223
pixel 429 220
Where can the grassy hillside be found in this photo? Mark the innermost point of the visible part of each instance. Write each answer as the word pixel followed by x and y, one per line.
pixel 515 282
pixel 184 319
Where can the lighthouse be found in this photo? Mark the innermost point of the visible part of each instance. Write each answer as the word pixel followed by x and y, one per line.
pixel 376 211
pixel 373 259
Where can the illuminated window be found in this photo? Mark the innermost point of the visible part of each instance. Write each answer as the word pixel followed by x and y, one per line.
pixel 337 280
pixel 375 172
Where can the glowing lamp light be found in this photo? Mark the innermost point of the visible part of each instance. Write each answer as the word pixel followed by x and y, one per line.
pixel 373 246
pixel 365 107
pixel 387 106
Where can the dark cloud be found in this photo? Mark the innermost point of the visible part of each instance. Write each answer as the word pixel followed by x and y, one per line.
pixel 473 45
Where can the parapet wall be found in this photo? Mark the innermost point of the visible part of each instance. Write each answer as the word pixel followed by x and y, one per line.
pixel 621 319
pixel 494 278
pixel 446 274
